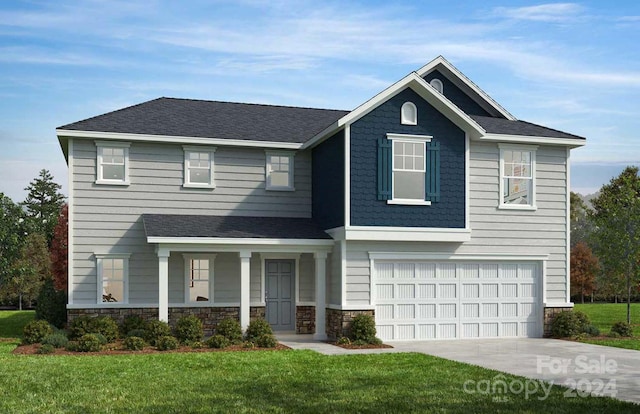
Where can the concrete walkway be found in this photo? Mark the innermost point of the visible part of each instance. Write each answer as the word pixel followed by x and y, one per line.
pixel 600 370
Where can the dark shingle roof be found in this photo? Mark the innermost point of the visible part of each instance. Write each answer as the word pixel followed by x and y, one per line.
pixel 171 225
pixel 508 127
pixel 213 119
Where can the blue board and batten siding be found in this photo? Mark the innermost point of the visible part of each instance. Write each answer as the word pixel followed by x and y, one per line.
pixel 366 209
pixel 455 95
pixel 328 182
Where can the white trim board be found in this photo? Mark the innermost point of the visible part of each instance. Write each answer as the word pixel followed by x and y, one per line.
pixel 214 241
pixel 381 233
pixel 456 257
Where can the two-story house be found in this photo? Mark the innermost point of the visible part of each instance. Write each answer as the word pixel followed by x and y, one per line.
pixel 429 206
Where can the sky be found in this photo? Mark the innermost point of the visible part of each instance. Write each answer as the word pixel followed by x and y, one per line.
pixel 569 66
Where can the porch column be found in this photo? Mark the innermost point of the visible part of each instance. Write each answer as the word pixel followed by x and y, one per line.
pixel 321 295
pixel 245 295
pixel 163 285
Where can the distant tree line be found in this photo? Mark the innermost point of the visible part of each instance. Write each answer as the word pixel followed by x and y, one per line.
pixel 33 244
pixel 605 242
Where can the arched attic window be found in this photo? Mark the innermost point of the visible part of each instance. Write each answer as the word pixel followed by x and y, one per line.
pixel 409 114
pixel 437 84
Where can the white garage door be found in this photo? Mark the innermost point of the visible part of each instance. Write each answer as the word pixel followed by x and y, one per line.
pixel 447 300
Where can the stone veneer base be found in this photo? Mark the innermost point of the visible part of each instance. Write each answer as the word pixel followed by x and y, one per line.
pixel 209 316
pixel 305 319
pixel 339 321
pixel 549 314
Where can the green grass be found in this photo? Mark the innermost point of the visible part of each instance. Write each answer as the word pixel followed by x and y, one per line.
pixel 604 315
pixel 12 323
pixel 263 381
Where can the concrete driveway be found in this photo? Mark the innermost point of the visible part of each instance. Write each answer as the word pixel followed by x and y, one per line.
pixel 601 370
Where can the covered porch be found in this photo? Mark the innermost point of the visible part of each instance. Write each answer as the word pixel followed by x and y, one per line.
pixel 244 267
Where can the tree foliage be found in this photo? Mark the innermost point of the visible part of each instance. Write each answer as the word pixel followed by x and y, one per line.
pixel 43 203
pixel 28 273
pixel 11 231
pixel 59 249
pixel 616 233
pixel 584 267
pixel 581 227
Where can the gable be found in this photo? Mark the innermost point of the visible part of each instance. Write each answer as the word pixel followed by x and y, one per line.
pixel 456 95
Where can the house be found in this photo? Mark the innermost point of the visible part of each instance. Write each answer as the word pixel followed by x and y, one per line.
pixel 429 206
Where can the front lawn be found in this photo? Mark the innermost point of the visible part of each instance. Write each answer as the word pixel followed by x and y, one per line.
pixel 264 381
pixel 604 315
pixel 12 323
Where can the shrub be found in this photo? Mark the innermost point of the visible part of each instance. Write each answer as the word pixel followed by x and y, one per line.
pixel 197 345
pixel 248 345
pixel 130 323
pixel 155 330
pixel 136 332
pixel 568 324
pixel 614 334
pixel 218 341
pixel 189 329
pixel 363 328
pixel 267 341
pixel 592 330
pixel 106 326
pixel 72 346
pixel 36 330
pixel 89 343
pixel 134 343
pixel 343 340
pixel 166 343
pixel 230 329
pixel 46 349
pixel 101 338
pixel 622 329
pixel 80 326
pixel 56 340
pixel 359 342
pixel 257 328
pixel 51 305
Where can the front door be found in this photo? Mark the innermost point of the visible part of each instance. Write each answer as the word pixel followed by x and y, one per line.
pixel 279 294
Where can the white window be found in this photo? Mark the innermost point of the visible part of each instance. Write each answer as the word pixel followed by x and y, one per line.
pixel 113 276
pixel 517 177
pixel 198 167
pixel 112 163
pixel 198 278
pixel 437 84
pixel 408 169
pixel 279 171
pixel 409 114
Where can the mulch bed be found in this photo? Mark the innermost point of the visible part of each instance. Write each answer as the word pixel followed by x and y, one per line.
pixel 367 346
pixel 117 349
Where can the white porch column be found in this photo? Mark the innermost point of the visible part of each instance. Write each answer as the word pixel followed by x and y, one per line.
pixel 321 295
pixel 163 285
pixel 245 294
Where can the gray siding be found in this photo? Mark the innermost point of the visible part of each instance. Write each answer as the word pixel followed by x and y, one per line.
pixel 494 231
pixel 334 280
pixel 107 218
pixel 307 278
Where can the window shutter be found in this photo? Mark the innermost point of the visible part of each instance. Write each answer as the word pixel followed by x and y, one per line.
pixel 432 181
pixel 384 168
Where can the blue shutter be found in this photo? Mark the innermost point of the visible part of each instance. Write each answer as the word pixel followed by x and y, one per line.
pixel 432 180
pixel 384 168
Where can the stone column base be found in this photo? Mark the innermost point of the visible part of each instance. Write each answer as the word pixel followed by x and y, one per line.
pixel 339 321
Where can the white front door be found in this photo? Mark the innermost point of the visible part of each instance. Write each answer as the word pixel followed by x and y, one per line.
pixel 449 300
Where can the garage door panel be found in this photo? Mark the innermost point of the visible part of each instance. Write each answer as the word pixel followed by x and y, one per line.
pixel 435 300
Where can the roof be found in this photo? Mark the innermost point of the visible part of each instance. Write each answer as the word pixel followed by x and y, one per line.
pixel 174 225
pixel 213 119
pixel 516 127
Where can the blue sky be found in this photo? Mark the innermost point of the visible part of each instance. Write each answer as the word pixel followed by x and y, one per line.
pixel 570 66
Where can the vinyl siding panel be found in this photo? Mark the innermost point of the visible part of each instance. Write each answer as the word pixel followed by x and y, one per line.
pixel 107 219
pixel 493 230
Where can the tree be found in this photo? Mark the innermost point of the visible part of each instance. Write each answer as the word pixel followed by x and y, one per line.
pixel 11 240
pixel 584 267
pixel 28 272
pixel 581 227
pixel 616 234
pixel 43 203
pixel 59 249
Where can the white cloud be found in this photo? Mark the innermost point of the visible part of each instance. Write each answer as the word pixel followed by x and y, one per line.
pixel 550 12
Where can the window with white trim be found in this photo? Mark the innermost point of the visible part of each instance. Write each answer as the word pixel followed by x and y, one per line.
pixel 198 278
pixel 112 163
pixel 198 167
pixel 517 177
pixel 437 84
pixel 279 171
pixel 408 170
pixel 409 114
pixel 113 276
